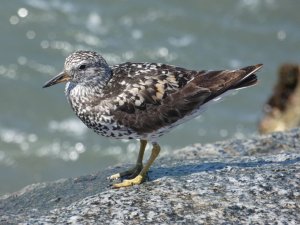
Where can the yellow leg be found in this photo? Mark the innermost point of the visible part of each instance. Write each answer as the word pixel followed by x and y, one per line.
pixel 137 168
pixel 141 176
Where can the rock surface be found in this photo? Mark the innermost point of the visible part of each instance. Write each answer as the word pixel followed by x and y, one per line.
pixel 241 181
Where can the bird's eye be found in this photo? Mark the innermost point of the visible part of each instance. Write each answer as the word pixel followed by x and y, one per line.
pixel 82 67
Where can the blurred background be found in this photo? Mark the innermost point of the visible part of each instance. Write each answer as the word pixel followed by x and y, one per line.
pixel 40 137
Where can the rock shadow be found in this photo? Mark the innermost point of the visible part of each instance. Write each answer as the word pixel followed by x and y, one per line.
pixel 184 170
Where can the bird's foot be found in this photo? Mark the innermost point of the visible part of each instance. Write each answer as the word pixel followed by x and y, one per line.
pixel 126 183
pixel 131 173
pixel 138 172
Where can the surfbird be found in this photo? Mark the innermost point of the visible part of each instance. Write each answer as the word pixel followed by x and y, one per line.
pixel 141 100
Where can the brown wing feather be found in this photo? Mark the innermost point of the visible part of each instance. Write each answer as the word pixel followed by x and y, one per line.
pixel 159 110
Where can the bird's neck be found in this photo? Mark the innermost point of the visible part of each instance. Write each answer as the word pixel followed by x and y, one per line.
pixel 95 82
pixel 82 100
pixel 80 94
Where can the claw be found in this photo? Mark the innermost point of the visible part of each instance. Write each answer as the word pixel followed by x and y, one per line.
pixel 114 176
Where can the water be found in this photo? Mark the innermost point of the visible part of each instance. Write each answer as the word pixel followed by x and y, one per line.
pixel 42 140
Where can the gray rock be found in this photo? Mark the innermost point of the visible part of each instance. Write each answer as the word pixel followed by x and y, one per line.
pixel 241 181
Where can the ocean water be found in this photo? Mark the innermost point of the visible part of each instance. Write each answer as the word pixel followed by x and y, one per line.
pixel 40 137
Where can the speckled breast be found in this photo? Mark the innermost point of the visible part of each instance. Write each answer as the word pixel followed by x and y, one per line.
pixel 96 116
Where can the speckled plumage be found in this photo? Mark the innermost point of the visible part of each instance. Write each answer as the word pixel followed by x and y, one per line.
pixel 142 100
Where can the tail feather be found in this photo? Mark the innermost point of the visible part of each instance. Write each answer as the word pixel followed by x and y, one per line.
pixel 250 78
pixel 218 82
pixel 247 82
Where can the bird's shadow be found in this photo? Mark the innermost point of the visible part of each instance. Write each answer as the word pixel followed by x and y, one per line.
pixel 188 169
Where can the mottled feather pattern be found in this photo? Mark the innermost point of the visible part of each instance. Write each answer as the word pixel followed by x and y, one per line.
pixel 155 79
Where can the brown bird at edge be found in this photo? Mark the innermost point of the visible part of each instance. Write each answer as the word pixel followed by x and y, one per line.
pixel 141 100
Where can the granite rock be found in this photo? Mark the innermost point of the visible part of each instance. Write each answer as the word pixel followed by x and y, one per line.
pixel 240 181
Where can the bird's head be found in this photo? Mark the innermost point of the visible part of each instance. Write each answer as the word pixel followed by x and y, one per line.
pixel 83 67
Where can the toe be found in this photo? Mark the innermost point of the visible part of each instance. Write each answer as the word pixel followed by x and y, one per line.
pixel 126 183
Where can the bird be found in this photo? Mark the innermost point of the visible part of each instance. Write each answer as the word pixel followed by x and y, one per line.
pixel 141 101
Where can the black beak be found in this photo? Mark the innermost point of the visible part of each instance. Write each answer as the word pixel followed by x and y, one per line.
pixel 62 77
